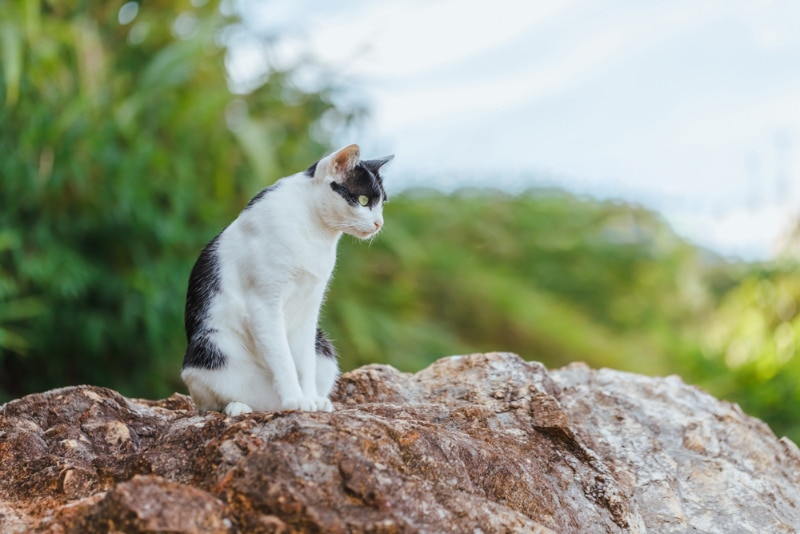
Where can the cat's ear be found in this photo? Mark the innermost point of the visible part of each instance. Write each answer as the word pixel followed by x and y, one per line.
pixel 375 164
pixel 339 163
pixel 384 160
pixel 345 160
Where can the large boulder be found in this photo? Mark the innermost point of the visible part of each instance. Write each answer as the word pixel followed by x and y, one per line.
pixel 479 443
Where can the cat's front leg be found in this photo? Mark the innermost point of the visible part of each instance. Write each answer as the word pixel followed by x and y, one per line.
pixel 273 349
pixel 305 357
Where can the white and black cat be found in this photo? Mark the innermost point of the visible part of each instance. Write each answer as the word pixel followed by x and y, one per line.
pixel 255 292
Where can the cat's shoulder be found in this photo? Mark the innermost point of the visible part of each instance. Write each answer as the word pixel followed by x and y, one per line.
pixel 282 191
pixel 262 195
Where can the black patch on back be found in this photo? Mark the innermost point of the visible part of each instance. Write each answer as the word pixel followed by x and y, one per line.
pixel 312 170
pixel 204 284
pixel 203 353
pixel 261 194
pixel 323 346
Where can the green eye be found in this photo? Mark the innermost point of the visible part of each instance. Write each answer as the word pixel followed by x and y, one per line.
pixel 363 200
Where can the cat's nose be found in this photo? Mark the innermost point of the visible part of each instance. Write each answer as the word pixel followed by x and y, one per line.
pixel 378 225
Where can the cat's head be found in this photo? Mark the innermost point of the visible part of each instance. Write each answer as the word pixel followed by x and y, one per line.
pixel 353 190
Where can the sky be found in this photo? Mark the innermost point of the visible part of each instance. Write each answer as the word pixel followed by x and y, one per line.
pixel 689 107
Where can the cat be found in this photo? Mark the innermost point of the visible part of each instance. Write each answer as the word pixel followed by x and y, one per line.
pixel 255 292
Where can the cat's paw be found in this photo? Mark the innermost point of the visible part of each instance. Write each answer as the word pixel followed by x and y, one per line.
pixel 309 404
pixel 303 404
pixel 237 408
pixel 324 404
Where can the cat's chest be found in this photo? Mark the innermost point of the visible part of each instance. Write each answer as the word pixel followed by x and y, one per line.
pixel 311 261
pixel 278 258
pixel 296 270
pixel 303 289
pixel 307 277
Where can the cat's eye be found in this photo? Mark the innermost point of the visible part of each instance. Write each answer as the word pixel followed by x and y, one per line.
pixel 363 200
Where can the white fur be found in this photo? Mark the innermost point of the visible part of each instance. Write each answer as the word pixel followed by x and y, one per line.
pixel 276 260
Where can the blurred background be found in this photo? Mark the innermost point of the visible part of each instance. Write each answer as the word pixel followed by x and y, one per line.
pixel 611 182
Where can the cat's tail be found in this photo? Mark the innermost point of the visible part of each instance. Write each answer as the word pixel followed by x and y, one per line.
pixel 324 346
pixel 327 365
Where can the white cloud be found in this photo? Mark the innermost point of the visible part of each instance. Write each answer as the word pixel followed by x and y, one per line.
pixel 394 40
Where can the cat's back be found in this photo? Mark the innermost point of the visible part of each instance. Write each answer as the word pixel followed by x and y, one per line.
pixel 273 211
pixel 220 264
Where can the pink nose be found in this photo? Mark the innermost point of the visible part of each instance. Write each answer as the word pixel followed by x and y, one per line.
pixel 377 225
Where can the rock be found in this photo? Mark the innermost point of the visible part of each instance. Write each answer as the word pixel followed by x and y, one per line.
pixel 692 463
pixel 480 443
pixel 150 504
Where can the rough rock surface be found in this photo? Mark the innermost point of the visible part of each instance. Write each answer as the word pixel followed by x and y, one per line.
pixel 480 443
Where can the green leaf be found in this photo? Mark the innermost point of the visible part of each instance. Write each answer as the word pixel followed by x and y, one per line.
pixel 11 41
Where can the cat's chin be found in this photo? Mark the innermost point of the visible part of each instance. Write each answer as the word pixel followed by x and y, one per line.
pixel 360 234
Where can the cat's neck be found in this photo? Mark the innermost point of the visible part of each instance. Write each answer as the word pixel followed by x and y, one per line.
pixel 315 212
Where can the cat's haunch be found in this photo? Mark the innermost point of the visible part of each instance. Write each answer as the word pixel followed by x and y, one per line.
pixel 255 292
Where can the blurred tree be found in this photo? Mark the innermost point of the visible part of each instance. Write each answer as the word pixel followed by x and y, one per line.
pixel 123 147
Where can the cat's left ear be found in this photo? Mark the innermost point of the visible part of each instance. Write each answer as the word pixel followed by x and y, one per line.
pixel 375 164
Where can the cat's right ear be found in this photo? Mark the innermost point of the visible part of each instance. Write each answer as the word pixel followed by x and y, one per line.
pixel 339 163
pixel 345 159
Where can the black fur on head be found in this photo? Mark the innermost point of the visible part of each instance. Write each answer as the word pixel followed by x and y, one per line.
pixel 364 179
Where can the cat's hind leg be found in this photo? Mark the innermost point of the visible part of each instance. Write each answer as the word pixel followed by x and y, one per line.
pixel 202 359
pixel 236 385
pixel 327 374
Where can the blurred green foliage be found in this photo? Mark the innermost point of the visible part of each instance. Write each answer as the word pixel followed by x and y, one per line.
pixel 544 274
pixel 558 279
pixel 125 151
pixel 751 347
